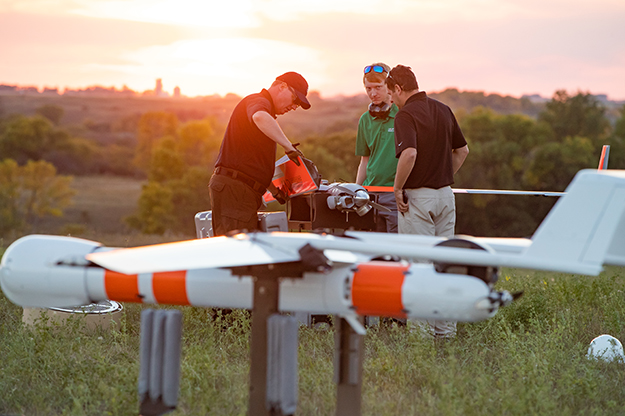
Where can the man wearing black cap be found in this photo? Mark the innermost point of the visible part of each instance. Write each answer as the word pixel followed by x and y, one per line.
pixel 245 165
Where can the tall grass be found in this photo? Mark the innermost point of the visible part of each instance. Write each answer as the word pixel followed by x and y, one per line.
pixel 529 359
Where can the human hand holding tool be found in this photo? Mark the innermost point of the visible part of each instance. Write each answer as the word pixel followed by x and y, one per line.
pixel 280 196
pixel 294 154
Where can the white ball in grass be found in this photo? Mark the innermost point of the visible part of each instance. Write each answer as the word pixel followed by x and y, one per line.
pixel 606 347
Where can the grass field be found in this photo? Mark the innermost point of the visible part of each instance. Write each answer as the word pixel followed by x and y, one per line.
pixel 529 359
pixel 100 204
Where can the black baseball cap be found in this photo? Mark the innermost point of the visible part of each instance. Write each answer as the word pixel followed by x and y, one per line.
pixel 299 85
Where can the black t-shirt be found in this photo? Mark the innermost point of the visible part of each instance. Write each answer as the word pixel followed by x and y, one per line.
pixel 430 127
pixel 245 148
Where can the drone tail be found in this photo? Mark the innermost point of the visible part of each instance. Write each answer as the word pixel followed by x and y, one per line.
pixel 586 227
pixel 605 155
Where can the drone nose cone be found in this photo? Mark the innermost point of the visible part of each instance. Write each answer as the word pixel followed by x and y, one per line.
pixel 30 273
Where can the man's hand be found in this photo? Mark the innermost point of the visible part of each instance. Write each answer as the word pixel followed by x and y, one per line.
pixel 293 154
pixel 280 196
pixel 401 199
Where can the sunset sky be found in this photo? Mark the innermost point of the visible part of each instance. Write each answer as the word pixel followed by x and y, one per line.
pixel 206 47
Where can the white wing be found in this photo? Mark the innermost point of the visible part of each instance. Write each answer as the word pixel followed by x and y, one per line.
pixel 503 192
pixel 216 252
pixel 584 230
pixel 240 250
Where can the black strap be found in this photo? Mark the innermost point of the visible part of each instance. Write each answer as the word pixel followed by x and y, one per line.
pixel 241 177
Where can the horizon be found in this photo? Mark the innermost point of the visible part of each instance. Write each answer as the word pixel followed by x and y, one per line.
pixel 505 47
pixel 45 89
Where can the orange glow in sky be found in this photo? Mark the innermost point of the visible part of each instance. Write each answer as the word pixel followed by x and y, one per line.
pixel 214 47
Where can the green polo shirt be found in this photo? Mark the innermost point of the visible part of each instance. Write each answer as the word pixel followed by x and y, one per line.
pixel 376 139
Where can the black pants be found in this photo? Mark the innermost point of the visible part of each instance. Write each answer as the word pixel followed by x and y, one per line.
pixel 234 204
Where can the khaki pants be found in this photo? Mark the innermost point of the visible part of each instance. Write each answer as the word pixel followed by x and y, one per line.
pixel 430 212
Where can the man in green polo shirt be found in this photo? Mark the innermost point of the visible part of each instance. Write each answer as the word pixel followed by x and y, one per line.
pixel 375 143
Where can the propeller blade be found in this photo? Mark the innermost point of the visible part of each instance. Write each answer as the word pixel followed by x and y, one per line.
pixel 346 190
pixel 379 207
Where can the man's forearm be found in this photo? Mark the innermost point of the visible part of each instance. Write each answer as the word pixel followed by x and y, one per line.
pixel 404 167
pixel 458 157
pixel 271 128
pixel 361 174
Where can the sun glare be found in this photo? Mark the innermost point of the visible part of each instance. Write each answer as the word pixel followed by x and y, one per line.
pixel 208 66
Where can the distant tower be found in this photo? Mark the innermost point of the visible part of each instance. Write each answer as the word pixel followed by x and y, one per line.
pixel 159 87
pixel 177 92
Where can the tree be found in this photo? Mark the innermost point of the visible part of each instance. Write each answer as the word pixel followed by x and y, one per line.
pixel 35 138
pixel 76 156
pixel 334 155
pixel 580 115
pixel 617 143
pixel 152 126
pixel 30 192
pixel 501 150
pixel 479 125
pixel 172 204
pixel 619 127
pixel 154 214
pixel 117 159
pixel 501 146
pixel 166 163
pixel 26 138
pixel 52 112
pixel 189 196
pixel 554 165
pixel 43 191
pixel 9 196
pixel 198 140
pixel 179 171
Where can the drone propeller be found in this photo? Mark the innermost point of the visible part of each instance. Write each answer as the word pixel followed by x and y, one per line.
pixel 379 207
pixel 362 197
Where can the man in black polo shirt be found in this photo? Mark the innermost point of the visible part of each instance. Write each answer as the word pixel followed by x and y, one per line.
pixel 431 148
pixel 245 165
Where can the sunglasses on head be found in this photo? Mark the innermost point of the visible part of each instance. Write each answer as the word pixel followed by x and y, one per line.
pixel 375 68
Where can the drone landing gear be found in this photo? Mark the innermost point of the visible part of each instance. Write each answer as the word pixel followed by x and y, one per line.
pixel 348 358
pixel 349 343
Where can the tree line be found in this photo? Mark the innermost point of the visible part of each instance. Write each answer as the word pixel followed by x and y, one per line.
pixel 508 151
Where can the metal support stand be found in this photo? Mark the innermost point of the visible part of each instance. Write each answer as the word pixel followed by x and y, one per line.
pixel 159 372
pixel 265 303
pixel 348 358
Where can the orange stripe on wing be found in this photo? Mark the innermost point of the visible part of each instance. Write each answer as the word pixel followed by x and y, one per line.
pixel 122 287
pixel 170 287
pixel 376 289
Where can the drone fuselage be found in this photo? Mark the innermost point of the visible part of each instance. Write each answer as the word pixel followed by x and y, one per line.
pixel 62 277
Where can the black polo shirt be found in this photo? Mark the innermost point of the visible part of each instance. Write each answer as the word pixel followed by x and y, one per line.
pixel 245 148
pixel 430 127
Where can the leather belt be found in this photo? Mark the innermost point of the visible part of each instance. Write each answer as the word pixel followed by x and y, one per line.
pixel 241 177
